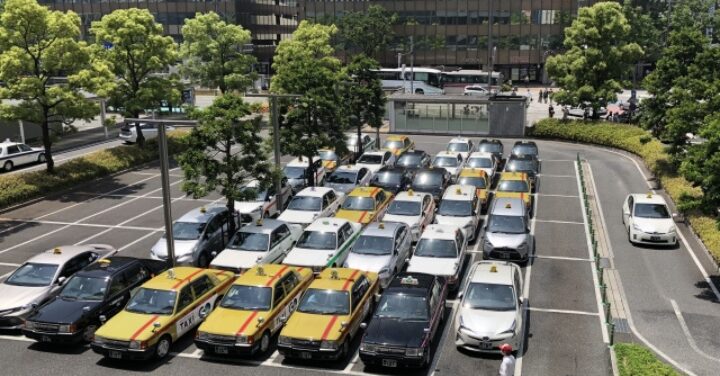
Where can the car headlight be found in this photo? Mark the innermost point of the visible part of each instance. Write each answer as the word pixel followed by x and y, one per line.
pixel 487 244
pixel 329 345
pixel 29 325
pixel 283 340
pixel 522 245
pixel 242 340
pixel 368 347
pixel 510 330
pixel 66 329
pixel 636 227
pixel 414 352
pixel 672 230
pixel 203 336
pixel 99 340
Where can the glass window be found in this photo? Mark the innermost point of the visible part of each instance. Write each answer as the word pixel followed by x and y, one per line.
pixel 403 307
pixel 32 275
pixel 24 147
pixel 118 285
pixel 278 293
pixel 136 275
pixel 477 182
pixel 491 297
pixel 202 285
pixel 249 241
pixel 479 162
pixel 506 224
pixel 455 208
pixel 14 149
pixel 441 248
pixel 305 203
pixel 152 301
pixel 317 240
pixel 373 245
pixel 248 298
pixel 512 186
pixel 651 211
pixel 187 230
pixel 186 298
pixel 342 177
pixel 91 289
pixel 358 292
pixel 325 302
pixel 404 208
pixel 359 203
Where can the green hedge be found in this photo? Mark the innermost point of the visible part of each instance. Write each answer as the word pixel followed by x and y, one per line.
pixel 640 142
pixel 20 187
pixel 636 360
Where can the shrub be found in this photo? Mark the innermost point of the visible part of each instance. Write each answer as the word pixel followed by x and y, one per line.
pixel 636 360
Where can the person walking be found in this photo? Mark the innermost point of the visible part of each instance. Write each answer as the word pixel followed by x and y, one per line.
pixel 551 111
pixel 507 367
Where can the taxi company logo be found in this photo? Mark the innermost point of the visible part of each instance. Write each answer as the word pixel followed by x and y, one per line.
pixel 205 310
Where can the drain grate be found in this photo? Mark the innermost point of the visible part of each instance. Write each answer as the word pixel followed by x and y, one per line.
pixel 621 326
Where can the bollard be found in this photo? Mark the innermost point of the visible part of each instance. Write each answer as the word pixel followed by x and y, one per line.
pixel 603 293
pixel 608 313
pixel 611 331
pixel 601 276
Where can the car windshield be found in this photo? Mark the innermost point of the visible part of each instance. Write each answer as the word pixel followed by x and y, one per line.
pixel 373 245
pixel 33 275
pixel 85 288
pixel 388 178
pixel 359 203
pixel 248 298
pixel 342 177
pixel 490 147
pixel 187 230
pixel 404 208
pixel 409 160
pixel 475 181
pixel 249 241
pixel 490 296
pixel 325 302
pixel 403 307
pixel 393 144
pixel 152 302
pixel 479 162
pixel 520 165
pixel 455 208
pixel 318 240
pixel 651 211
pixel 370 159
pixel 441 248
pixel 506 224
pixel 525 150
pixel 305 203
pixel 512 186
pixel 328 155
pixel 458 146
pixel 445 162
pixel 294 172
pixel 427 179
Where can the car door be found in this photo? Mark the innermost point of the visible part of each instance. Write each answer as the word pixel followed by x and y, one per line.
pixel 428 212
pixel 380 204
pixel 27 154
pixel 213 235
pixel 461 241
pixel 363 177
pixel 280 244
pixel 517 280
pixel 403 242
pixel 13 154
pixel 117 296
pixel 319 172
pixel 332 203
pixel 359 303
pixel 627 206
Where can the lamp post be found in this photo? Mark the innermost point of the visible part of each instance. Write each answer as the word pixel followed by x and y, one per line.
pixel 491 49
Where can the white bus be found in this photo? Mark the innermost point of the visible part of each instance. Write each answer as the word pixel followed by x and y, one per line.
pixel 454 82
pixel 426 81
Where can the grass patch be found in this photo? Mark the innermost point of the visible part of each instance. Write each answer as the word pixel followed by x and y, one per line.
pixel 636 360
pixel 640 142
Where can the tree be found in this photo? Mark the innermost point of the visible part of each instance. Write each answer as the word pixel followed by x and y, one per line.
pixel 213 55
pixel 224 151
pixel 702 163
pixel 598 56
pixel 365 99
pixel 368 31
pixel 132 43
pixel 38 45
pixel 305 65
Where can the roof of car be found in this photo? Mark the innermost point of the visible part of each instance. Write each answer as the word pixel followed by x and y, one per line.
pixel 365 191
pixel 648 198
pixel 349 168
pixel 492 141
pixel 492 272
pixel 375 152
pixel 264 226
pixel 7 142
pixel 513 175
pixel 202 214
pixel 463 140
pixel 60 255
pixel 434 170
pixel 108 266
pixel 511 206
pixel 314 191
pixel 472 172
pixel 396 137
pixel 410 195
pixel 175 278
pixel 411 283
pixel 446 153
pixel 521 157
pixel 457 191
pixel 297 162
pixel 336 279
pixel 392 169
pixel 436 231
pixel 263 275
pixel 480 154
pixel 413 152
pixel 382 229
pixel 326 224
pixel 525 142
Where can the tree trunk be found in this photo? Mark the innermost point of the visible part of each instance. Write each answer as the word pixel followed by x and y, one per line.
pixel 47 144
pixel 311 175
pixel 140 136
pixel 230 200
pixel 231 209
pixel 377 138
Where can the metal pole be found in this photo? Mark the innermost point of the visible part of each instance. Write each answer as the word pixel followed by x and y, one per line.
pixel 399 59
pixel 490 56
pixel 412 65
pixel 102 118
pixel 167 202
pixel 276 146
pixel 22 131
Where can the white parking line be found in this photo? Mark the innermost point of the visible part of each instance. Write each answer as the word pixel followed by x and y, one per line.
pixel 159 197
pixel 352 363
pixel 19 338
pixel 255 363
pixel 556 176
pixel 554 195
pixel 566 311
pixel 561 258
pixel 153 173
pixel 80 224
pixel 687 333
pixel 271 359
pixel 558 160
pixel 560 222
pixel 9 264
pixel 137 241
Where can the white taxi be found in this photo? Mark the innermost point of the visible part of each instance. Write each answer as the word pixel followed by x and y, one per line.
pixel 462 145
pixel 461 207
pixel 381 248
pixel 265 202
pixel 298 171
pixel 451 161
pixel 15 154
pixel 375 160
pixel 324 243
pixel 311 203
pixel 416 209
pixel 648 220
pixel 440 251
pixel 491 308
pixel 484 161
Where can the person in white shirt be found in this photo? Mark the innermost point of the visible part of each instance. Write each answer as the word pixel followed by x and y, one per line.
pixel 507 367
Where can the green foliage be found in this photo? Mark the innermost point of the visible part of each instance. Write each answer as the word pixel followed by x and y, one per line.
pixel 37 45
pixel 225 151
pixel 598 56
pixel 212 49
pixel 702 164
pixel 366 99
pixel 369 31
pixel 645 29
pixel 637 360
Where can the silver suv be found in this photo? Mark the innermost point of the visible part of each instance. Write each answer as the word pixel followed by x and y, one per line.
pixel 507 231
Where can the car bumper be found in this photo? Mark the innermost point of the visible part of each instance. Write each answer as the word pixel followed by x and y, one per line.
pixel 653 239
pixel 124 353
pixel 390 360
pixel 510 254
pixel 224 348
pixel 309 354
pixel 127 137
pixel 59 338
pixel 484 344
pixel 14 321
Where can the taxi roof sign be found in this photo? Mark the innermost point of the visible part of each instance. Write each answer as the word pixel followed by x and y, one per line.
pixel 508 206
pixel 334 275
pixel 259 222
pixel 493 269
pixel 57 251
pixel 203 210
pixel 409 280
pixel 260 271
pixel 649 195
pixel 104 263
pixel 171 274
pixel 381 225
pixel 410 192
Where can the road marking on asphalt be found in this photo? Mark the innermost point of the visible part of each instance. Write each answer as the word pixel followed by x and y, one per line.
pixel 450 327
pixel 561 258
pixel 560 222
pixel 79 224
pixel 352 363
pixel 556 176
pixel 152 174
pixel 565 311
pixel 554 195
pixel 9 264
pixel 688 335
pixel 271 359
pixel 138 240
pixel 160 198
pixel 558 160
pixel 18 338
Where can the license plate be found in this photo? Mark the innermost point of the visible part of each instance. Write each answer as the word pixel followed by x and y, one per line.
pixel 45 339
pixel 305 355
pixel 389 363
pixel 486 345
pixel 654 238
pixel 115 355
pixel 221 350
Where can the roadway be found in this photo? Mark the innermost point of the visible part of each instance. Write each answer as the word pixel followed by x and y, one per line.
pixel 564 331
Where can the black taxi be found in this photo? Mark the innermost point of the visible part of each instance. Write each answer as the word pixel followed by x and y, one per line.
pixel 406 320
pixel 88 298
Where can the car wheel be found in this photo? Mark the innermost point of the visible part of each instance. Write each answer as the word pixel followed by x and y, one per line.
pixel 345 350
pixel 265 343
pixel 203 260
pixel 419 91
pixel 89 333
pixel 8 166
pixel 163 347
pixel 41 158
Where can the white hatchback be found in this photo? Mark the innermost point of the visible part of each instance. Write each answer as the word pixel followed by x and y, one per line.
pixel 415 209
pixel 324 243
pixel 16 154
pixel 375 160
pixel 460 206
pixel 441 251
pixel 381 248
pixel 453 162
pixel 312 203
pixel 648 220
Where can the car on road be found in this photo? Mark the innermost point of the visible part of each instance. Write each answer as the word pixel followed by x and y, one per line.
pixel 381 248
pixel 648 220
pixel 392 179
pixel 197 234
pixel 415 209
pixel 450 161
pixel 351 139
pixel 479 179
pixel 507 233
pixel 516 185
pixel 461 145
pixel 461 207
pixel 491 311
pixel 475 90
pixel 128 132
pixel 407 320
pixel 101 289
pixel 41 277
pixel 255 308
pixel 487 162
pixel 298 172
pixel 329 315
pixel 331 159
pixel 265 203
pixel 375 160
pixel 265 242
pixel 345 178
pixel 398 144
pixel 311 203
pixel 14 154
pixel 526 164
pixel 441 251
pixel 413 160
pixel 431 180
pixel 364 205
pixel 324 243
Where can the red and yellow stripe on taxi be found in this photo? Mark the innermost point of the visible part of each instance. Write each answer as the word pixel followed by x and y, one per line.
pixel 334 318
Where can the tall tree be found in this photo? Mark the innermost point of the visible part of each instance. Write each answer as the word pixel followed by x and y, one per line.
pixel 213 53
pixel 37 46
pixel 365 99
pixel 368 31
pixel 133 44
pixel 598 56
pixel 224 151
pixel 305 65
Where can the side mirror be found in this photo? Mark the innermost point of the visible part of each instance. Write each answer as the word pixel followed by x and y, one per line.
pixel 156 326
pixel 61 281
pixel 363 325
pixel 260 321
pixel 103 319
pixel 213 254
pixel 377 297
pixel 460 295
pixel 407 260
pixel 343 325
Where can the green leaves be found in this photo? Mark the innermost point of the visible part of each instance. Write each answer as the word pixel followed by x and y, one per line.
pixel 368 31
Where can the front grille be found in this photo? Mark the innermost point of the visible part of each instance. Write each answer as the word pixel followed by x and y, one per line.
pixel 111 343
pixel 305 344
pixel 47 328
pixel 221 339
pixel 504 253
pixel 650 240
pixel 391 350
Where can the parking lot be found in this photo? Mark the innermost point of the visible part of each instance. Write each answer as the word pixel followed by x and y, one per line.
pixel 564 331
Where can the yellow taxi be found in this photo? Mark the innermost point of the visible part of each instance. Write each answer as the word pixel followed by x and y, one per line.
pixel 329 315
pixel 398 144
pixel 161 311
pixel 364 205
pixel 477 178
pixel 332 159
pixel 515 185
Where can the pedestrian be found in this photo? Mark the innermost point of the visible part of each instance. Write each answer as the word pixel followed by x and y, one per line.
pixel 550 95
pixel 609 116
pixel 551 111
pixel 529 95
pixel 514 91
pixel 527 80
pixel 507 367
pixel 565 112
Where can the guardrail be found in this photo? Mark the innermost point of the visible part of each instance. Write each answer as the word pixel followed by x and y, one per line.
pixel 599 270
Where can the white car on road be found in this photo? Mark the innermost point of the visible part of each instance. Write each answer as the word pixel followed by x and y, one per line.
pixel 462 145
pixel 451 161
pixel 128 132
pixel 648 220
pixel 381 248
pixel 475 90
pixel 415 209
pixel 375 160
pixel 312 203
pixel 440 251
pixel 325 243
pixel 491 308
pixel 460 206
pixel 14 154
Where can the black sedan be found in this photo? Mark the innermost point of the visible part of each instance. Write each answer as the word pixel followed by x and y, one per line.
pixel 431 180
pixel 405 322
pixel 413 160
pixel 392 179
pixel 89 297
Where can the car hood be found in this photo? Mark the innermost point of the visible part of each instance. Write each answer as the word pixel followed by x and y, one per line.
pixel 369 263
pixel 298 216
pixel 435 190
pixel 18 296
pixel 311 327
pixel 407 219
pixel 486 323
pixel 308 257
pixel 656 225
pixel 182 247
pixel 247 207
pixel 395 333
pixel 500 240
pixel 451 220
pixel 227 321
pixel 63 311
pixel 235 259
pixel 126 324
pixel 433 265
pixel 344 188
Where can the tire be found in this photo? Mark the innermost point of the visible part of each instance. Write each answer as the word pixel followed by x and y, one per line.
pixel 345 351
pixel 89 333
pixel 162 349
pixel 265 343
pixel 8 166
pixel 420 91
pixel 41 158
